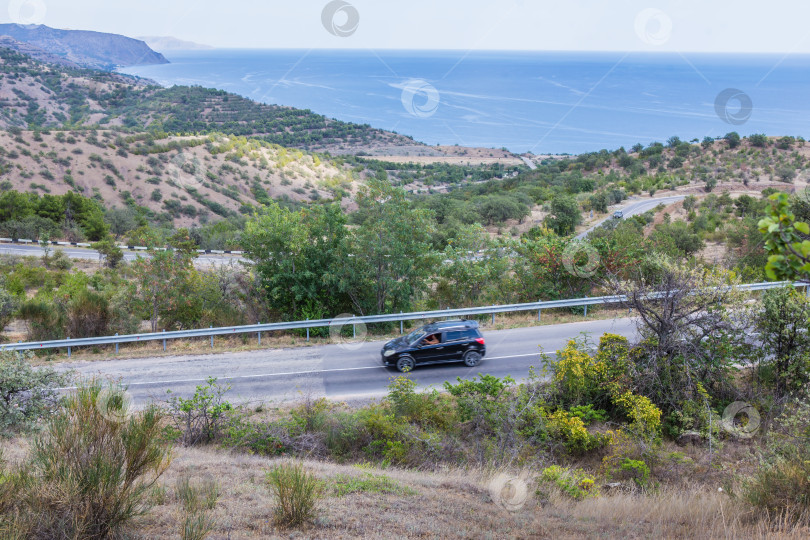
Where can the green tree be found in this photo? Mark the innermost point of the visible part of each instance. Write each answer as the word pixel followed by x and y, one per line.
pixel 389 258
pixel 163 282
pixel 109 252
pixel 733 139
pixel 472 270
pixel 759 140
pixel 564 216
pixel 786 174
pixel 297 256
pixel 783 323
pixel 540 272
pixel 679 236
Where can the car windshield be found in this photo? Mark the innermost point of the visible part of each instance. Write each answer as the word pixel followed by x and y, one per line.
pixel 415 336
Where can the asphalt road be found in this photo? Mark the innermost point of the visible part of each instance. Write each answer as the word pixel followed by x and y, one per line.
pixel 333 371
pixel 637 207
pixel 34 250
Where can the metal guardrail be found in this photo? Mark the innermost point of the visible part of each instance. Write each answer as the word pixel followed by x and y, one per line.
pixel 321 323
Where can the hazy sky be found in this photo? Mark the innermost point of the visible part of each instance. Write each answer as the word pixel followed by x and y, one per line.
pixel 647 25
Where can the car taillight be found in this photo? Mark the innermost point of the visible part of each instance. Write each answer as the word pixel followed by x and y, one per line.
pixel 480 341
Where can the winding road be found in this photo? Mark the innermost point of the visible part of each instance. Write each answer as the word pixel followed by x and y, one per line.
pixel 634 208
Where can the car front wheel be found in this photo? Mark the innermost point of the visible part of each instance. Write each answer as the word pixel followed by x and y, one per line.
pixel 405 364
pixel 472 358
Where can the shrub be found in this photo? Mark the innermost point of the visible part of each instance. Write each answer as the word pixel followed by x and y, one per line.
pixel 636 470
pixel 343 484
pixel 570 429
pixel 93 469
pixel 645 417
pixel 26 394
pixel 781 484
pixel 8 305
pixel 60 261
pixel 197 499
pixel 45 320
pixel 572 482
pixel 575 373
pixel 588 414
pixel 297 493
pixel 201 418
pixel 424 408
pixel 88 315
pixel 310 415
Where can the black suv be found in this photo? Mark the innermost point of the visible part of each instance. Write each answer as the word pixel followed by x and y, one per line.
pixel 446 341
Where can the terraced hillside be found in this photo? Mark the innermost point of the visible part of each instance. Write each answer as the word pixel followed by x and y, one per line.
pixel 37 94
pixel 181 180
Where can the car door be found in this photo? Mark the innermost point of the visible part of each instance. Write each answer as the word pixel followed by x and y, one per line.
pixel 430 353
pixel 454 342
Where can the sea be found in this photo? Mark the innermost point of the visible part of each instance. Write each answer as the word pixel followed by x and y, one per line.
pixel 538 102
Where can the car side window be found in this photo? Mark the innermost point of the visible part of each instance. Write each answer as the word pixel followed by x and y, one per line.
pixel 455 336
pixel 433 339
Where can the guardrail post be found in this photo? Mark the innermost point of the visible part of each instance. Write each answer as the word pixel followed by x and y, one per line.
pixel 116 344
pixel 586 310
pixel 493 318
pixel 307 331
pixel 539 313
pixel 260 336
pixel 354 330
pixel 401 324
pixel 68 350
pixel 164 341
pixel 212 337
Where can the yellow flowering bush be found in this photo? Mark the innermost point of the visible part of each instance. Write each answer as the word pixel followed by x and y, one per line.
pixel 645 417
pixel 575 483
pixel 571 430
pixel 576 373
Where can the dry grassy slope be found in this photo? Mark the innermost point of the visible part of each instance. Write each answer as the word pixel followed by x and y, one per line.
pixel 457 503
pixel 221 169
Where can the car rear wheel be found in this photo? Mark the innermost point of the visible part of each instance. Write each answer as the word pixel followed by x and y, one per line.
pixel 405 364
pixel 472 358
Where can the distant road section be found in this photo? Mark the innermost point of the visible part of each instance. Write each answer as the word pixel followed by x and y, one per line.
pixel 635 208
pixel 35 250
pixel 529 163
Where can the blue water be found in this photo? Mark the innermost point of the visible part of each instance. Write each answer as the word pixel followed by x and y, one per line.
pixel 524 101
